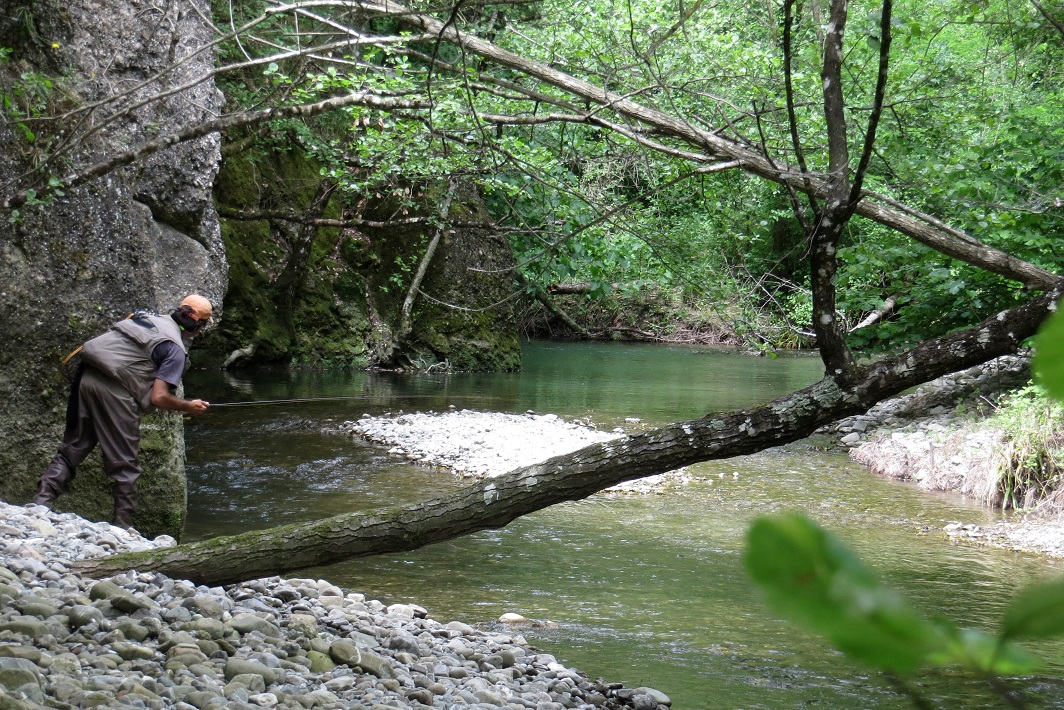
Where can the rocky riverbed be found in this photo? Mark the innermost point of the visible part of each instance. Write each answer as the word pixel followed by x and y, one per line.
pixel 147 641
pixel 485 444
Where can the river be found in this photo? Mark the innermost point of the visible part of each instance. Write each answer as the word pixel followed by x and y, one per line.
pixel 643 590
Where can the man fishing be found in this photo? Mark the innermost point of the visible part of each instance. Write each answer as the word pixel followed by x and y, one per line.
pixel 132 369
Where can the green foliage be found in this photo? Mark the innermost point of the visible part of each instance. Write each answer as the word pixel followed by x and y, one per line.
pixel 1033 456
pixel 972 135
pixel 1037 612
pixel 28 97
pixel 1049 356
pixel 808 575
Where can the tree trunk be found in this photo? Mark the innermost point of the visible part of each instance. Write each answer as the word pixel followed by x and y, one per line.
pixel 494 502
pixel 293 277
pixel 391 353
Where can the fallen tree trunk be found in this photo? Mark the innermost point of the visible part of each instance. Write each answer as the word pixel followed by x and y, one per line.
pixel 495 502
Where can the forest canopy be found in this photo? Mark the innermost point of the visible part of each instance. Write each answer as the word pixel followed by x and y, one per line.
pixel 625 145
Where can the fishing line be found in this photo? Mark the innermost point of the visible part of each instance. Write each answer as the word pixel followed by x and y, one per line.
pixel 257 402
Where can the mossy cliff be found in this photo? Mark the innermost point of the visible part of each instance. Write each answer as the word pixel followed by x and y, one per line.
pixel 312 285
pixel 136 238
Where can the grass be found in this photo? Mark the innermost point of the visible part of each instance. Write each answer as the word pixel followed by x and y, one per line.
pixel 1031 466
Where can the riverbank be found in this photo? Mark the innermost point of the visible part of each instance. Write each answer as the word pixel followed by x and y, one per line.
pixel 147 641
pixel 940 438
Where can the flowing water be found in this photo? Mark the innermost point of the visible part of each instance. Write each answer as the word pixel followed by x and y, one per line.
pixel 643 590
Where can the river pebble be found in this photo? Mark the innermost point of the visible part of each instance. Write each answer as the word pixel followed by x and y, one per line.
pixel 477 445
pixel 144 640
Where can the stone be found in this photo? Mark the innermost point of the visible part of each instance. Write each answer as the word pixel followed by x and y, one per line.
pixel 16 651
pixel 238 666
pixel 212 627
pixel 131 629
pixel 421 695
pixel 253 682
pixel 246 623
pixel 205 605
pixel 133 651
pixel 320 662
pixel 305 624
pixel 25 625
pixel 200 698
pixel 657 696
pixel 17 672
pixel 347 653
pixel 41 610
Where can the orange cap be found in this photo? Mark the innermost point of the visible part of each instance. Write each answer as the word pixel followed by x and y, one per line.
pixel 200 306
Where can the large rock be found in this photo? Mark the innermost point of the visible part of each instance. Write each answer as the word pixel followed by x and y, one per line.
pixel 137 237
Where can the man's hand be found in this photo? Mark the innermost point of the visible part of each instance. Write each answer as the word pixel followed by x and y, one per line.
pixel 162 398
pixel 196 406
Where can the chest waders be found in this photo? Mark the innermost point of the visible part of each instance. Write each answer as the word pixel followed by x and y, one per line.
pixel 111 390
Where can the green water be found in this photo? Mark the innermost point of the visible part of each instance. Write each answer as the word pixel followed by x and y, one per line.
pixel 644 590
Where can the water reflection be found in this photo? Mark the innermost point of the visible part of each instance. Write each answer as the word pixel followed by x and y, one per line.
pixel 644 590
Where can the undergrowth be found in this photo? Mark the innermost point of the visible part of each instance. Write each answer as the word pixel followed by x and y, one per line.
pixel 1032 458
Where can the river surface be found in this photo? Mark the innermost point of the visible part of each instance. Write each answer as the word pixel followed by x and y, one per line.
pixel 643 590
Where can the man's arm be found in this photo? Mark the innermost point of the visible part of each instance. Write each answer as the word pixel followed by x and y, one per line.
pixel 162 398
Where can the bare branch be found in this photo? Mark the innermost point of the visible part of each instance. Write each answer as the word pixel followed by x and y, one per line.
pixel 1057 24
pixel 890 305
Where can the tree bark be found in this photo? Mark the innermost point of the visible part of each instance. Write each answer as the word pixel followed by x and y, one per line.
pixel 551 306
pixel 495 502
pixel 293 277
pixel 583 287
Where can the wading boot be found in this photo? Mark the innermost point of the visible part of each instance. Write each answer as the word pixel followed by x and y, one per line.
pixel 53 482
pixel 125 495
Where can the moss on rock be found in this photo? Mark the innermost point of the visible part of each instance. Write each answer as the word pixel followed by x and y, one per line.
pixel 349 272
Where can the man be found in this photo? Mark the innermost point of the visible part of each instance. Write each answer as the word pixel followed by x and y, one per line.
pixel 132 369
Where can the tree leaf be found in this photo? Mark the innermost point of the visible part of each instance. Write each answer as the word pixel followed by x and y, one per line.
pixel 1049 356
pixel 984 653
pixel 811 577
pixel 1036 612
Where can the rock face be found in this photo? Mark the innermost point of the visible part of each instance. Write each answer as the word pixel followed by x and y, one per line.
pixel 463 319
pixel 137 237
pixel 332 295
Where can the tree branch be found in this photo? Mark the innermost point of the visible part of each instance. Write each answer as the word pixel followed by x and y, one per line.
pixel 242 119
pixel 718 148
pixel 877 104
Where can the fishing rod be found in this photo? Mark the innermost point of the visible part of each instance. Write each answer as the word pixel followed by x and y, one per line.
pixel 252 403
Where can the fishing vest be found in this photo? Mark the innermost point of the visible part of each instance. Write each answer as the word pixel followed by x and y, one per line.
pixel 124 353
